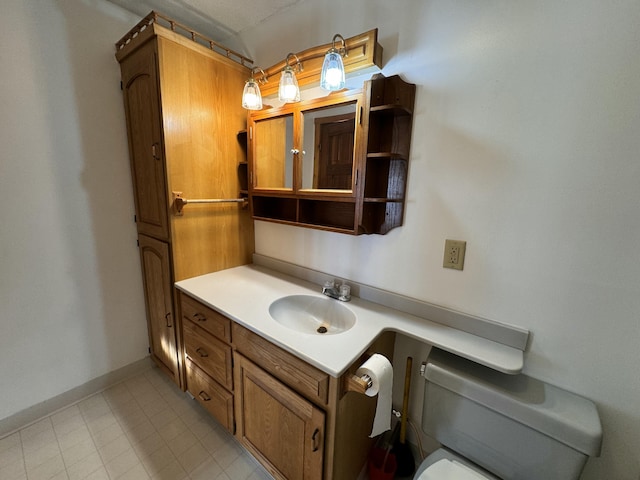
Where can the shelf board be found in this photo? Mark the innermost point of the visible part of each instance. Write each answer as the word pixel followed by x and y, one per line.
pixel 395 109
pixel 393 155
pixel 383 200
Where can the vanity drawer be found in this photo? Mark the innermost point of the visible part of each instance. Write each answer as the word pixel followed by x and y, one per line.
pixel 208 353
pixel 302 377
pixel 213 397
pixel 216 324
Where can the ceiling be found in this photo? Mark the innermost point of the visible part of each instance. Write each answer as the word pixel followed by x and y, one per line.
pixel 217 19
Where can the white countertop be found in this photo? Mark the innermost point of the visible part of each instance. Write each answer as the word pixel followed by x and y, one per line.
pixel 245 293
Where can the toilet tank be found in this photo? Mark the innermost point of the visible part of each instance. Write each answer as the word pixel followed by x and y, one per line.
pixel 514 426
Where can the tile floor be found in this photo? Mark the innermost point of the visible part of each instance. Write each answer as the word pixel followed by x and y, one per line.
pixel 142 428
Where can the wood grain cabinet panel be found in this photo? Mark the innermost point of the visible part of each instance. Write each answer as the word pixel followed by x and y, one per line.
pixel 217 325
pixel 142 108
pixel 307 380
pixel 277 425
pixel 210 354
pixel 154 258
pixel 182 130
pixel 213 397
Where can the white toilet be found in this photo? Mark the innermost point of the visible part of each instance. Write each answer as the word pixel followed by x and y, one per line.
pixel 497 426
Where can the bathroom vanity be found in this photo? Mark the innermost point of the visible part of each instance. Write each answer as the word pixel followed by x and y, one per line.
pixel 299 421
pixel 270 382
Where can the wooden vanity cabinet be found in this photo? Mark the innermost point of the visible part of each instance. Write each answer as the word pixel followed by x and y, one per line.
pixel 272 385
pixel 298 421
pixel 183 137
pixel 208 359
pixel 277 425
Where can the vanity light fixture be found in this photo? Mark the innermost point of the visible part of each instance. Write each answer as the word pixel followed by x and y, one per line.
pixel 332 75
pixel 251 97
pixel 289 90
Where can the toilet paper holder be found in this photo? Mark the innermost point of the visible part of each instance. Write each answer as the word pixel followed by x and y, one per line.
pixel 354 383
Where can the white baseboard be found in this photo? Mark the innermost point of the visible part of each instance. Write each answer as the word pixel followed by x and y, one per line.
pixel 34 413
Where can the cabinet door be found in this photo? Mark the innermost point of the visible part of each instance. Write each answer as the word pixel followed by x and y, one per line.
pixel 279 427
pixel 156 273
pixel 142 109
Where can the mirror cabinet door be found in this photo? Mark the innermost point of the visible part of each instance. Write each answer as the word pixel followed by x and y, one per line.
pixel 273 153
pixel 328 147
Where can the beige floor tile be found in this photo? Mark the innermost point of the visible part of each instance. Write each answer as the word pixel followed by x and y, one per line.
pixel 140 431
pixel 163 418
pixel 216 440
pixel 180 443
pixel 65 415
pixel 69 425
pixel 172 429
pixel 227 454
pixel 149 445
pixel 193 457
pixel 79 436
pixel 10 441
pixel 115 448
pixel 241 468
pixel 108 434
pixel 85 467
pixel 122 464
pixel 158 460
pixel 136 473
pixel 63 475
pixel 173 471
pixel 11 455
pixel 100 474
pixel 35 458
pixel 97 424
pixel 15 469
pixel 207 470
pixel 38 440
pixel 78 452
pixel 36 428
pixel 46 470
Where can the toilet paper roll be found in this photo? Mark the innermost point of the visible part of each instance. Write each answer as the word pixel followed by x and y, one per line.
pixel 380 371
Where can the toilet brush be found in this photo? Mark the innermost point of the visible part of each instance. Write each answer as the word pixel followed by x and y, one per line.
pixel 404 455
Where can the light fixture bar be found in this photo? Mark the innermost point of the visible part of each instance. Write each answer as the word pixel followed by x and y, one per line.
pixel 364 52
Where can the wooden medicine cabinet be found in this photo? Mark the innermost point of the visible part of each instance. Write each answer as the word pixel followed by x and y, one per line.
pixel 336 163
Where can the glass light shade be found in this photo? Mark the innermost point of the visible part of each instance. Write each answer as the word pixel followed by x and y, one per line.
pixel 289 90
pixel 332 75
pixel 251 97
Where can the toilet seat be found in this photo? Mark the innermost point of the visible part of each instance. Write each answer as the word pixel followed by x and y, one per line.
pixel 446 469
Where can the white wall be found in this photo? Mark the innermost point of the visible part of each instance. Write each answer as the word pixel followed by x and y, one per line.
pixel 525 144
pixel 70 282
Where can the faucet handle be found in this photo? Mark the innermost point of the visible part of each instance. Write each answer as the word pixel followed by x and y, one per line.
pixel 329 284
pixel 345 292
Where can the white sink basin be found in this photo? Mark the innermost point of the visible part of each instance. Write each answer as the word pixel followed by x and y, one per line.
pixel 312 314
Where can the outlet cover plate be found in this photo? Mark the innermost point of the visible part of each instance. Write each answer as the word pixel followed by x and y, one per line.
pixel 454 251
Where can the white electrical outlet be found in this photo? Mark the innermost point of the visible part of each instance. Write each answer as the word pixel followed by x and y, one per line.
pixel 454 251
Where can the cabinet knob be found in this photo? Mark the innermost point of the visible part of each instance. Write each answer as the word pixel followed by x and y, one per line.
pixel 202 352
pixel 199 317
pixel 203 395
pixel 167 317
pixel 295 151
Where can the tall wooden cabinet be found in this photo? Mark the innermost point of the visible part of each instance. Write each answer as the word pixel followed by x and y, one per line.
pixel 182 125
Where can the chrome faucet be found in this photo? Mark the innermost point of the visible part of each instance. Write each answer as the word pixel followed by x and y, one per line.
pixel 339 292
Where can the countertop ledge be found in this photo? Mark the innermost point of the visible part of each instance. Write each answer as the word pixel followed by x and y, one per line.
pixel 245 293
